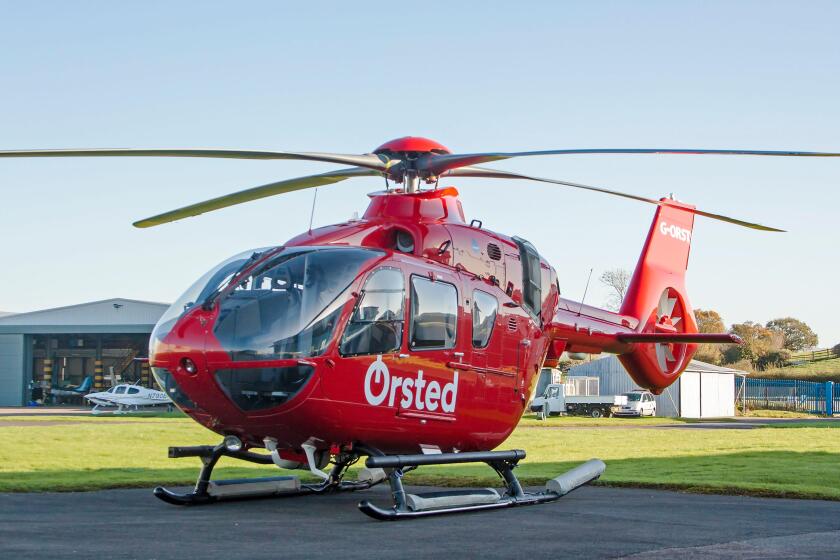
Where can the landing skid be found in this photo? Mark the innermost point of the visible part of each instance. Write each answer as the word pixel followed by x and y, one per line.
pixel 408 506
pixel 208 491
pixel 379 468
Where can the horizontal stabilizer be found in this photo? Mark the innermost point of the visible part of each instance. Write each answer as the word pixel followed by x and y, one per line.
pixel 682 338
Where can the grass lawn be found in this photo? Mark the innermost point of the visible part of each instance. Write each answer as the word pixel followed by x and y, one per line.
pixel 758 413
pixel 826 370
pixel 792 462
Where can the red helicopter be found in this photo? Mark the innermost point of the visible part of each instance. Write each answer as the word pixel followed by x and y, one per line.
pixel 409 336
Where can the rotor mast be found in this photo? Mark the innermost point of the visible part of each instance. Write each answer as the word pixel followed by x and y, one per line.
pixel 411 181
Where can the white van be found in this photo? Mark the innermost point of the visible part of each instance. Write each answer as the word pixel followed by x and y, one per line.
pixel 639 403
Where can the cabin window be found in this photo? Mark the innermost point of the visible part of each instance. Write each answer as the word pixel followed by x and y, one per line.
pixel 376 326
pixel 133 390
pixel 119 390
pixel 485 308
pixel 434 314
pixel 531 277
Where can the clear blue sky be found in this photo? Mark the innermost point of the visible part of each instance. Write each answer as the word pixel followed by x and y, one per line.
pixel 474 76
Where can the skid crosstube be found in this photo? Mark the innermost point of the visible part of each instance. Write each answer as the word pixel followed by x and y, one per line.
pixel 207 491
pixel 408 506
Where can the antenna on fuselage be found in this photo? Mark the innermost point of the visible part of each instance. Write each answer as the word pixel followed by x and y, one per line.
pixel 312 213
pixel 586 289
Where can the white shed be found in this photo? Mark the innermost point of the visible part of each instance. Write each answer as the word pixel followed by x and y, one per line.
pixel 702 391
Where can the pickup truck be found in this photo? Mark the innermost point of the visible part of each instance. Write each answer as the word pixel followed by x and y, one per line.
pixel 554 401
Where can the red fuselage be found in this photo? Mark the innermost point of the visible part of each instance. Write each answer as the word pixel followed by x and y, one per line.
pixel 404 328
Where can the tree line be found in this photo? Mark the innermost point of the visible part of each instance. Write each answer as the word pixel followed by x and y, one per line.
pixel 765 346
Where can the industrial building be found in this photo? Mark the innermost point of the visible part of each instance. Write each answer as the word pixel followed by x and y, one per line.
pixel 702 391
pixel 60 347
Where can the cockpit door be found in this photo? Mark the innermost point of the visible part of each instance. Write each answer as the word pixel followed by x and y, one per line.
pixel 372 340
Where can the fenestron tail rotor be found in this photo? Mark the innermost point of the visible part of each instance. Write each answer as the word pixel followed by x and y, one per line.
pixel 669 316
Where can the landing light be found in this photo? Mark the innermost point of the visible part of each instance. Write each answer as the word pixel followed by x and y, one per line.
pixel 233 443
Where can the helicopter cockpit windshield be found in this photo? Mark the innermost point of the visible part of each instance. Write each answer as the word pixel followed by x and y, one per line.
pixel 288 306
pixel 216 278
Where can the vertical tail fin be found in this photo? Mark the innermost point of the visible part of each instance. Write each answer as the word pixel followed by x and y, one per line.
pixel 657 297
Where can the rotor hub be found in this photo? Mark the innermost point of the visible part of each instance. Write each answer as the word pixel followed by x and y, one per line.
pixel 412 145
pixel 405 152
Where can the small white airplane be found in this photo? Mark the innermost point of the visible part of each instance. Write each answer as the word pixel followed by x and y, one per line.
pixel 127 399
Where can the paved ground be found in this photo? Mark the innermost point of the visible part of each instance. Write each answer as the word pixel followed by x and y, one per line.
pixel 44 411
pixel 592 522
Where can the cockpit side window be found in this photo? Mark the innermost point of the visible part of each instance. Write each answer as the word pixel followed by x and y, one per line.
pixel 376 326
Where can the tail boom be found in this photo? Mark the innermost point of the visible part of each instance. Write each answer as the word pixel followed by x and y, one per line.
pixel 655 333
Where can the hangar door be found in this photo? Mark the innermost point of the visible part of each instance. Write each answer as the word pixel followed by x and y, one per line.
pixel 12 371
pixel 707 394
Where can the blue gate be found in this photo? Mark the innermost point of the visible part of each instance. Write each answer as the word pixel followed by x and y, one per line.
pixel 814 397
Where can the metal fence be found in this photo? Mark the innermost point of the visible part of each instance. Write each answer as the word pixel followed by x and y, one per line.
pixel 788 394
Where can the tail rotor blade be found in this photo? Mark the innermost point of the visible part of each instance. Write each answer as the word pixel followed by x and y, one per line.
pixel 271 189
pixel 472 171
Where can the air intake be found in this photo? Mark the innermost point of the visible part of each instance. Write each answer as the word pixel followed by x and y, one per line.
pixel 494 252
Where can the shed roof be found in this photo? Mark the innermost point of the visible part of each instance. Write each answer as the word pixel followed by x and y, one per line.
pixel 108 315
pixel 693 366
pixel 703 367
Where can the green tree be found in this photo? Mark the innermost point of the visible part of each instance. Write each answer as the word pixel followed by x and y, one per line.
pixel 797 336
pixel 758 341
pixel 709 321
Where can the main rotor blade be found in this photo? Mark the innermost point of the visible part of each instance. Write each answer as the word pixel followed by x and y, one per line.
pixel 370 161
pixel 271 189
pixel 498 174
pixel 437 164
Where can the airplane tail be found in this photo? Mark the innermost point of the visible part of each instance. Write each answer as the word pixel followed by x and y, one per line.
pixel 665 339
